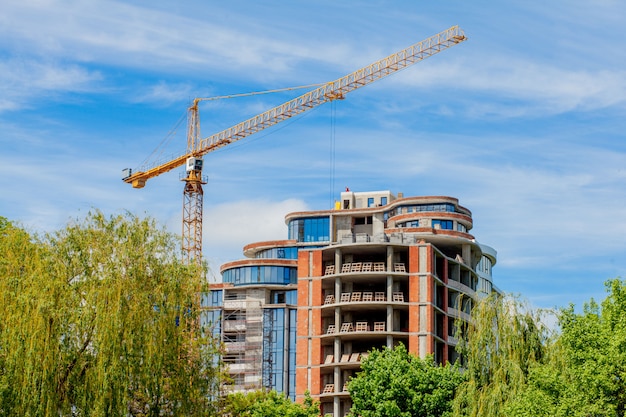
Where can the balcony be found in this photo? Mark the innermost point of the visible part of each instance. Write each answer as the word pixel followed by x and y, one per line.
pixel 352 267
pixel 359 326
pixel 364 297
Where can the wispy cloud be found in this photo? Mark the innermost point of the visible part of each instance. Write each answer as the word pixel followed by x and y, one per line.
pixel 25 83
pixel 508 87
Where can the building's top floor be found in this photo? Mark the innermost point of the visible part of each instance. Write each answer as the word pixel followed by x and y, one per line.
pixel 373 217
pixel 387 203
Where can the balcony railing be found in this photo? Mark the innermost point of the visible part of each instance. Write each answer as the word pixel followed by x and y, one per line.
pixel 359 326
pixel 364 297
pixel 352 267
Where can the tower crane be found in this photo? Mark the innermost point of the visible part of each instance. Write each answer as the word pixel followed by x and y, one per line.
pixel 334 90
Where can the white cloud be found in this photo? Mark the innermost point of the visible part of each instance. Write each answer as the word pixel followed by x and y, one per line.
pixel 27 82
pixel 228 227
pixel 518 87
pixel 133 36
pixel 163 93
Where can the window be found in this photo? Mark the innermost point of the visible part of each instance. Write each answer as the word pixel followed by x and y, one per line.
pixel 370 202
pixel 261 275
pixel 383 201
pixel 311 229
pixel 461 228
pixel 278 297
pixel 447 207
pixel 212 298
pixel 278 253
pixel 442 224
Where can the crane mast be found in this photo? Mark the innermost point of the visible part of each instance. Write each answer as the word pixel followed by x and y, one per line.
pixel 198 146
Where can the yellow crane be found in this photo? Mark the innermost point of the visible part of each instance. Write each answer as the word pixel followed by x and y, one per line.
pixel 334 90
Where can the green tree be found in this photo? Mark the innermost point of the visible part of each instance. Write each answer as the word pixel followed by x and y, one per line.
pixel 394 383
pixel 268 403
pixel 586 371
pixel 502 346
pixel 101 319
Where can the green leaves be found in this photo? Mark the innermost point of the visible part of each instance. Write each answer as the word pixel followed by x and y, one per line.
pixel 267 403
pixel 101 320
pixel 517 368
pixel 393 382
pixel 505 339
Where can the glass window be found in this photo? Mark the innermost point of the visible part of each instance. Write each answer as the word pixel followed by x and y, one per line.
pixel 211 322
pixel 278 253
pixel 312 229
pixel 383 201
pixel 370 202
pixel 443 224
pixel 291 297
pixel 255 274
pixel 447 207
pixel 212 298
pixel 279 350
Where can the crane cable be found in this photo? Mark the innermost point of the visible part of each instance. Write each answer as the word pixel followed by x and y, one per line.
pixel 256 93
pixel 160 148
pixel 333 113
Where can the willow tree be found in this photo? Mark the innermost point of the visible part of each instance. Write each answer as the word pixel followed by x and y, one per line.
pixel 586 371
pixel 101 319
pixel 501 347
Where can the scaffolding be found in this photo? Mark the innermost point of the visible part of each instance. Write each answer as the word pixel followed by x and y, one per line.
pixel 242 335
pixel 268 340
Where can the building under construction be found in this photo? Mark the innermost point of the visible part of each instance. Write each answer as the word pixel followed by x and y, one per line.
pixel 377 270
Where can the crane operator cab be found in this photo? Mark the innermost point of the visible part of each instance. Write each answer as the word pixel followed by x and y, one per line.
pixel 193 164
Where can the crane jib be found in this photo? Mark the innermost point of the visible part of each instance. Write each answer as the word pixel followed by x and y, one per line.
pixel 330 91
pixel 334 90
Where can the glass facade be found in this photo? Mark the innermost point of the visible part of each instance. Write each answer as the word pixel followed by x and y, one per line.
pixel 259 274
pixel 415 208
pixel 484 266
pixel 311 229
pixel 210 320
pixel 279 350
pixel 212 298
pixel 278 253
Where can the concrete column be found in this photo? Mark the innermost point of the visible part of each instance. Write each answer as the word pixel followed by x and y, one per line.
pixel 389 258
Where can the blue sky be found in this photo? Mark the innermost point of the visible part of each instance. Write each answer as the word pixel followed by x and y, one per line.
pixel 524 122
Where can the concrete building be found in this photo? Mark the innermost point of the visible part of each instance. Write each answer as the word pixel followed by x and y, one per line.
pixel 379 269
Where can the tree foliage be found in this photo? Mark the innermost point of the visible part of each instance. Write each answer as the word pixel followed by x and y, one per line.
pixel 500 347
pixel 586 371
pixel 394 383
pixel 99 319
pixel 268 403
pixel 517 368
